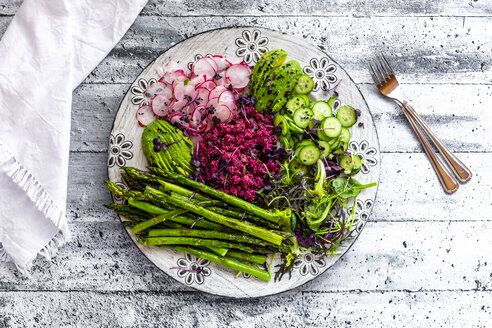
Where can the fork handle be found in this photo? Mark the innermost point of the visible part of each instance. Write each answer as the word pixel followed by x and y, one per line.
pixel 448 182
pixel 459 169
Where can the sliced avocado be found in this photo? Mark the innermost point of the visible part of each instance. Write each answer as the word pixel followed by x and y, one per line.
pixel 175 151
pixel 282 81
pixel 265 66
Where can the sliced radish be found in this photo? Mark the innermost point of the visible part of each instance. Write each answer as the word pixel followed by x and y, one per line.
pixel 205 66
pixel 222 113
pixel 161 105
pixel 222 63
pixel 238 75
pixel 202 97
pixel 227 98
pixel 170 77
pixel 179 106
pixel 209 84
pixel 178 119
pixel 145 116
pixel 187 92
pixel 197 80
pixel 217 91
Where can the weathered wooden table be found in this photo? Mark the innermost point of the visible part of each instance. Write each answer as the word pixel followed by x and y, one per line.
pixel 424 259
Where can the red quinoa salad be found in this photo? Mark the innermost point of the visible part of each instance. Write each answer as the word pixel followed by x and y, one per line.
pixel 235 157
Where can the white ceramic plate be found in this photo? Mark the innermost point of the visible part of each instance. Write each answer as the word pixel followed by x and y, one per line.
pixel 247 44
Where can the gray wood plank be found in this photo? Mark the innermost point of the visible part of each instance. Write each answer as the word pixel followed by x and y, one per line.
pixel 293 309
pixel 310 7
pixel 388 256
pixel 446 107
pixel 424 49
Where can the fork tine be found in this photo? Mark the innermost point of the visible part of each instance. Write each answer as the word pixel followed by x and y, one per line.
pixel 385 63
pixel 382 71
pixel 374 75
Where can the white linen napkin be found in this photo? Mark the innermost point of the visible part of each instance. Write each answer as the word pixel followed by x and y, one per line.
pixel 48 49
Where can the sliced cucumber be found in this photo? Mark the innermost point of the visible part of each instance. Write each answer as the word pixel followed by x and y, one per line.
pixel 334 142
pixel 292 125
pixel 280 121
pixel 322 108
pixel 308 155
pixel 296 102
pixel 324 147
pixel 331 101
pixel 304 85
pixel 347 163
pixel 302 116
pixel 342 148
pixel 304 143
pixel 331 127
pixel 357 164
pixel 297 166
pixel 344 135
pixel 318 117
pixel 351 164
pixel 346 116
pixel 322 136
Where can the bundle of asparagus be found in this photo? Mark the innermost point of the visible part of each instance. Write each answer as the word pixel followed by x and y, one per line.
pixel 169 210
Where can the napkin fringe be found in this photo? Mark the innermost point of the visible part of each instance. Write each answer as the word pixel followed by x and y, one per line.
pixel 43 202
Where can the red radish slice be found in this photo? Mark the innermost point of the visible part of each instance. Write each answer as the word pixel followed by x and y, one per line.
pixel 238 75
pixel 202 97
pixel 223 113
pixel 217 91
pixel 179 106
pixel 197 80
pixel 187 92
pixel 160 105
pixel 222 80
pixel 205 66
pixel 227 98
pixel 209 84
pixel 222 63
pixel 178 120
pixel 161 88
pixel 169 77
pixel 145 116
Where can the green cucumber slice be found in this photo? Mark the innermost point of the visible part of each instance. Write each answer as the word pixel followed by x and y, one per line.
pixel 302 116
pixel 304 85
pixel 292 125
pixel 344 135
pixel 331 127
pixel 295 103
pixel 322 108
pixel 318 117
pixel 342 147
pixel 346 116
pixel 322 136
pixel 308 155
pixel 347 163
pixel 280 121
pixel 357 164
pixel 324 147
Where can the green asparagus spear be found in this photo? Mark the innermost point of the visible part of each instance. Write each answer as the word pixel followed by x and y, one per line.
pixel 206 234
pixel 228 263
pixel 199 242
pixel 212 216
pixel 278 217
pixel 238 255
pixel 156 220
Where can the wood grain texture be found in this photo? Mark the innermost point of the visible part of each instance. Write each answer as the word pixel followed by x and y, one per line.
pixel 294 309
pixel 310 7
pixel 424 260
pixel 424 49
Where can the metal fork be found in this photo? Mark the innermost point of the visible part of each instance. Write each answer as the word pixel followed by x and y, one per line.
pixel 385 79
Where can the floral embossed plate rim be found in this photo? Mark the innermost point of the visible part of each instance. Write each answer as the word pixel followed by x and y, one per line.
pixel 247 44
